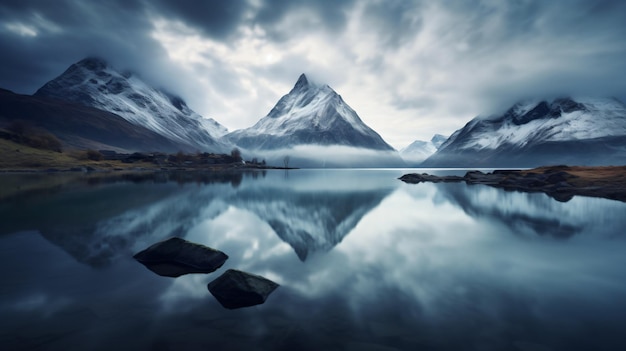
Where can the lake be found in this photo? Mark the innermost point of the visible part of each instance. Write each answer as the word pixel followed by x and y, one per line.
pixel 364 262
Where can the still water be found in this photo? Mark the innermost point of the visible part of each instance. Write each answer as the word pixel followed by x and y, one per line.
pixel 364 262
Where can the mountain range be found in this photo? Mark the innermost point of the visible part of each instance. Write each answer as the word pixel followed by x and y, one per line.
pixel 579 131
pixel 93 105
pixel 308 124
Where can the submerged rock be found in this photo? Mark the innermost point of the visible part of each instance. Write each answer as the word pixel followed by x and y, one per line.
pixel 175 257
pixel 236 289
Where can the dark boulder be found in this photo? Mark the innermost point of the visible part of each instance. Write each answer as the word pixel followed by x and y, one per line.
pixel 236 289
pixel 175 257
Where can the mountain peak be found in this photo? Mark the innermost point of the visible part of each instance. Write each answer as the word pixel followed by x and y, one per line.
pixel 302 81
pixel 438 140
pixel 305 82
pixel 93 63
pixel 310 114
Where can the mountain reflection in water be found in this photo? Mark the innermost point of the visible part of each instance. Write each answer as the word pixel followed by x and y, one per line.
pixel 364 262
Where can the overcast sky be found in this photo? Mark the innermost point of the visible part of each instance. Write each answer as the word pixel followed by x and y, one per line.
pixel 409 68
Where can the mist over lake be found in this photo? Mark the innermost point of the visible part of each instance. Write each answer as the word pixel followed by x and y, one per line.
pixel 364 262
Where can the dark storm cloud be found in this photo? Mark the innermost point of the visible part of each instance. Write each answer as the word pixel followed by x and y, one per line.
pixel 221 19
pixel 326 15
pixel 580 43
pixel 440 62
pixel 396 21
pixel 499 52
pixel 119 31
pixel 63 32
pixel 218 19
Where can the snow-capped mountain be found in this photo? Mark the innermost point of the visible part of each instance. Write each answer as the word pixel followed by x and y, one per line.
pixel 80 126
pixel 311 114
pixel 420 150
pixel 583 131
pixel 92 82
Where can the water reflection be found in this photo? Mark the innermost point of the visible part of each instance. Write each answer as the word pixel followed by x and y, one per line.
pixel 364 262
pixel 537 213
pixel 97 218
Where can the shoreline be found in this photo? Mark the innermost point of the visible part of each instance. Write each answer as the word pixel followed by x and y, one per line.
pixel 96 168
pixel 559 182
pixel 20 183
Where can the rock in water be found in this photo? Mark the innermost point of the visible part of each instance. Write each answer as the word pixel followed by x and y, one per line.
pixel 175 257
pixel 236 289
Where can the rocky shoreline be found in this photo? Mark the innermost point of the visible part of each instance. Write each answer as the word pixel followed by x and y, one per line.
pixel 560 182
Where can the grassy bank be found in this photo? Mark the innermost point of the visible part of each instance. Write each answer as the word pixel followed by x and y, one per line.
pixel 20 157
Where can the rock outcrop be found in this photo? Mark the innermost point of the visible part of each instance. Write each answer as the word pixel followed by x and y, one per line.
pixel 559 182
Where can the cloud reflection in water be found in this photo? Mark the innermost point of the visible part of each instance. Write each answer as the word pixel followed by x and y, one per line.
pixel 431 265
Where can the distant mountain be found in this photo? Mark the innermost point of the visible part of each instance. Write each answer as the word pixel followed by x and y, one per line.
pixel 581 131
pixel 80 126
pixel 92 82
pixel 420 150
pixel 309 114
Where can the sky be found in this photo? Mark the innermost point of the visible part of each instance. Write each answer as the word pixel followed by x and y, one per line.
pixel 409 68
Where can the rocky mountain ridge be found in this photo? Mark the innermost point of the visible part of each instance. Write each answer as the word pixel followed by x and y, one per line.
pixel 93 82
pixel 576 131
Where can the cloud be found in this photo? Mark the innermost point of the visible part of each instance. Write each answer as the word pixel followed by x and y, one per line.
pixel 216 19
pixel 410 69
pixel 318 156
pixel 66 32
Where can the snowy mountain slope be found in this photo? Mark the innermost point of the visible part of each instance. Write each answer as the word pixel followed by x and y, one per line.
pixel 94 83
pixel 80 126
pixel 420 150
pixel 587 131
pixel 310 114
